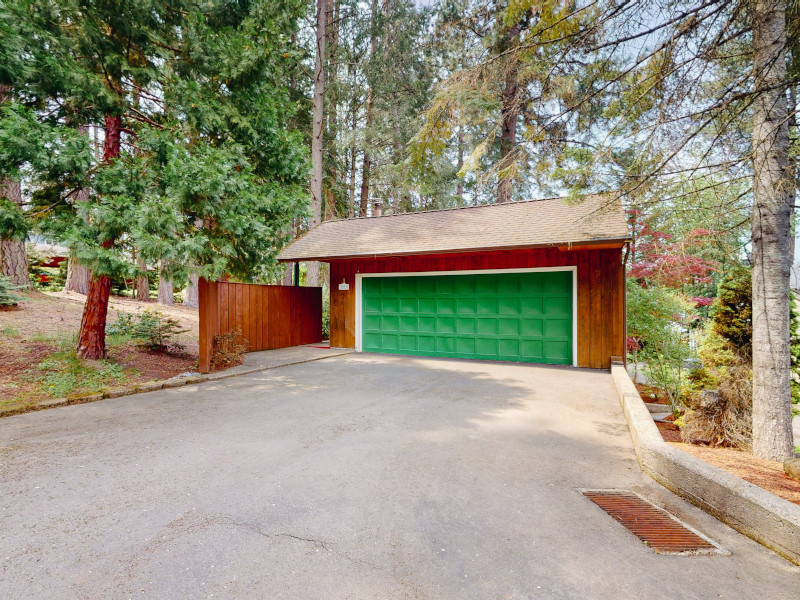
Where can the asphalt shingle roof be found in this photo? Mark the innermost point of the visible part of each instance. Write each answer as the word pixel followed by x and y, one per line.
pixel 529 224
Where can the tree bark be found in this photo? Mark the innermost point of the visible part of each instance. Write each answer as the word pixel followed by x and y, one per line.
pixel 508 139
pixel 773 187
pixel 13 257
pixel 165 292
pixel 312 273
pixel 191 295
pixel 78 276
pixel 92 334
pixel 92 338
pixel 142 282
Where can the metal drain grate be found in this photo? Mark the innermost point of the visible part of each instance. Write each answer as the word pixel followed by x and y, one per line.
pixel 655 527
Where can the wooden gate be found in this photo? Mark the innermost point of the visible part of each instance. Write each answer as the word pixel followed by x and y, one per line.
pixel 269 316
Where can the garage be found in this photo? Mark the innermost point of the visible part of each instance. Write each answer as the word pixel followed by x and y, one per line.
pixel 523 316
pixel 539 281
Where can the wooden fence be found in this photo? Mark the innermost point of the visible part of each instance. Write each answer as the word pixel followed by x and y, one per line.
pixel 269 316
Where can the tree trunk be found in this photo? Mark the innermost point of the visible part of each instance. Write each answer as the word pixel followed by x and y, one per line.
pixel 92 335
pixel 165 294
pixel 286 279
pixel 191 295
pixel 460 184
pixel 13 258
pixel 362 212
pixel 773 196
pixel 92 338
pixel 312 273
pixel 142 282
pixel 78 276
pixel 353 153
pixel 508 139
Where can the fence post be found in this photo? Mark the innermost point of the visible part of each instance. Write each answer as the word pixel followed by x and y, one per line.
pixel 208 316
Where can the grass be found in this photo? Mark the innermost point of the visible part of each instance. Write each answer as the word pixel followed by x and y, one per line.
pixel 9 331
pixel 61 373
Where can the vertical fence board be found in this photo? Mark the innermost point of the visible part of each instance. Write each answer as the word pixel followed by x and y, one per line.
pixel 269 316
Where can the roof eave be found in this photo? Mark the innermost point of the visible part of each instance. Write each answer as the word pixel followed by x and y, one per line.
pixel 329 258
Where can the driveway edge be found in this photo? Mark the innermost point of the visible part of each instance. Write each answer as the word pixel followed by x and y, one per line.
pixel 152 386
pixel 751 510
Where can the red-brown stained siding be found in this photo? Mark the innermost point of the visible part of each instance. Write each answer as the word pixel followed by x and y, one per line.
pixel 600 291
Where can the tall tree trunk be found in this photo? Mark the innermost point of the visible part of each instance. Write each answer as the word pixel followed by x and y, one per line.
pixel 13 258
pixel 191 295
pixel 92 335
pixel 353 153
pixel 773 188
pixel 460 184
pixel 312 273
pixel 508 139
pixel 165 290
pixel 367 163
pixel 92 338
pixel 78 276
pixel 142 282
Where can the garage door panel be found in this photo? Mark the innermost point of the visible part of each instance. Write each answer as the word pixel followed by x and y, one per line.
pixel 557 328
pixel 502 316
pixel 409 324
pixel 445 325
pixel 390 323
pixel 486 305
pixel 557 305
pixel 427 305
pixel 408 342
pixel 487 325
pixel 445 344
pixel 465 345
pixel 486 347
pixel 531 327
pixel 445 306
pixel 465 326
pixel 508 327
pixel 532 348
pixel 408 305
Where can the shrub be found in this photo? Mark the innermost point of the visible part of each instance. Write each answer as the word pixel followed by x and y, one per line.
pixel 7 297
pixel 151 328
pixel 657 320
pixel 719 401
pixel 228 350
pixel 732 310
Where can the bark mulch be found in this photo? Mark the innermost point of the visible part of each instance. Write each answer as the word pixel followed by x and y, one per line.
pixel 766 474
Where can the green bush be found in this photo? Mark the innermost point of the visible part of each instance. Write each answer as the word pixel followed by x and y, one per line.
pixel 7 297
pixel 151 328
pixel 732 310
pixel 657 322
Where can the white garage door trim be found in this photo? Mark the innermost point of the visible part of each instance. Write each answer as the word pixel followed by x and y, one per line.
pixel 573 269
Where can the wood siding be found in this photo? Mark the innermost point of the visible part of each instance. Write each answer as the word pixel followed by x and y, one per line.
pixel 269 316
pixel 600 325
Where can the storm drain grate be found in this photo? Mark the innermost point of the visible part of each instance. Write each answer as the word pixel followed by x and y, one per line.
pixel 655 527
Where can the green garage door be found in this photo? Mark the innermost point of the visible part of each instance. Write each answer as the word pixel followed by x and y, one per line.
pixel 523 317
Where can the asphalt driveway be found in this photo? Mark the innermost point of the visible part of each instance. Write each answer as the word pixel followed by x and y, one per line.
pixel 360 476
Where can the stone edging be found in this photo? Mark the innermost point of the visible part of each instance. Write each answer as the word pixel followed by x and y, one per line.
pixel 751 510
pixel 152 386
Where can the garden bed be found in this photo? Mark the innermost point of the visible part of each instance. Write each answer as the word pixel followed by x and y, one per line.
pixel 766 474
pixel 37 342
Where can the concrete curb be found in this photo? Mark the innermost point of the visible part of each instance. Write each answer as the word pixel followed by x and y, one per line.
pixel 151 386
pixel 751 510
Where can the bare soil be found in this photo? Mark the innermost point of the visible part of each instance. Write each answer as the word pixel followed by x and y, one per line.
pixel 651 395
pixel 766 474
pixel 44 323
